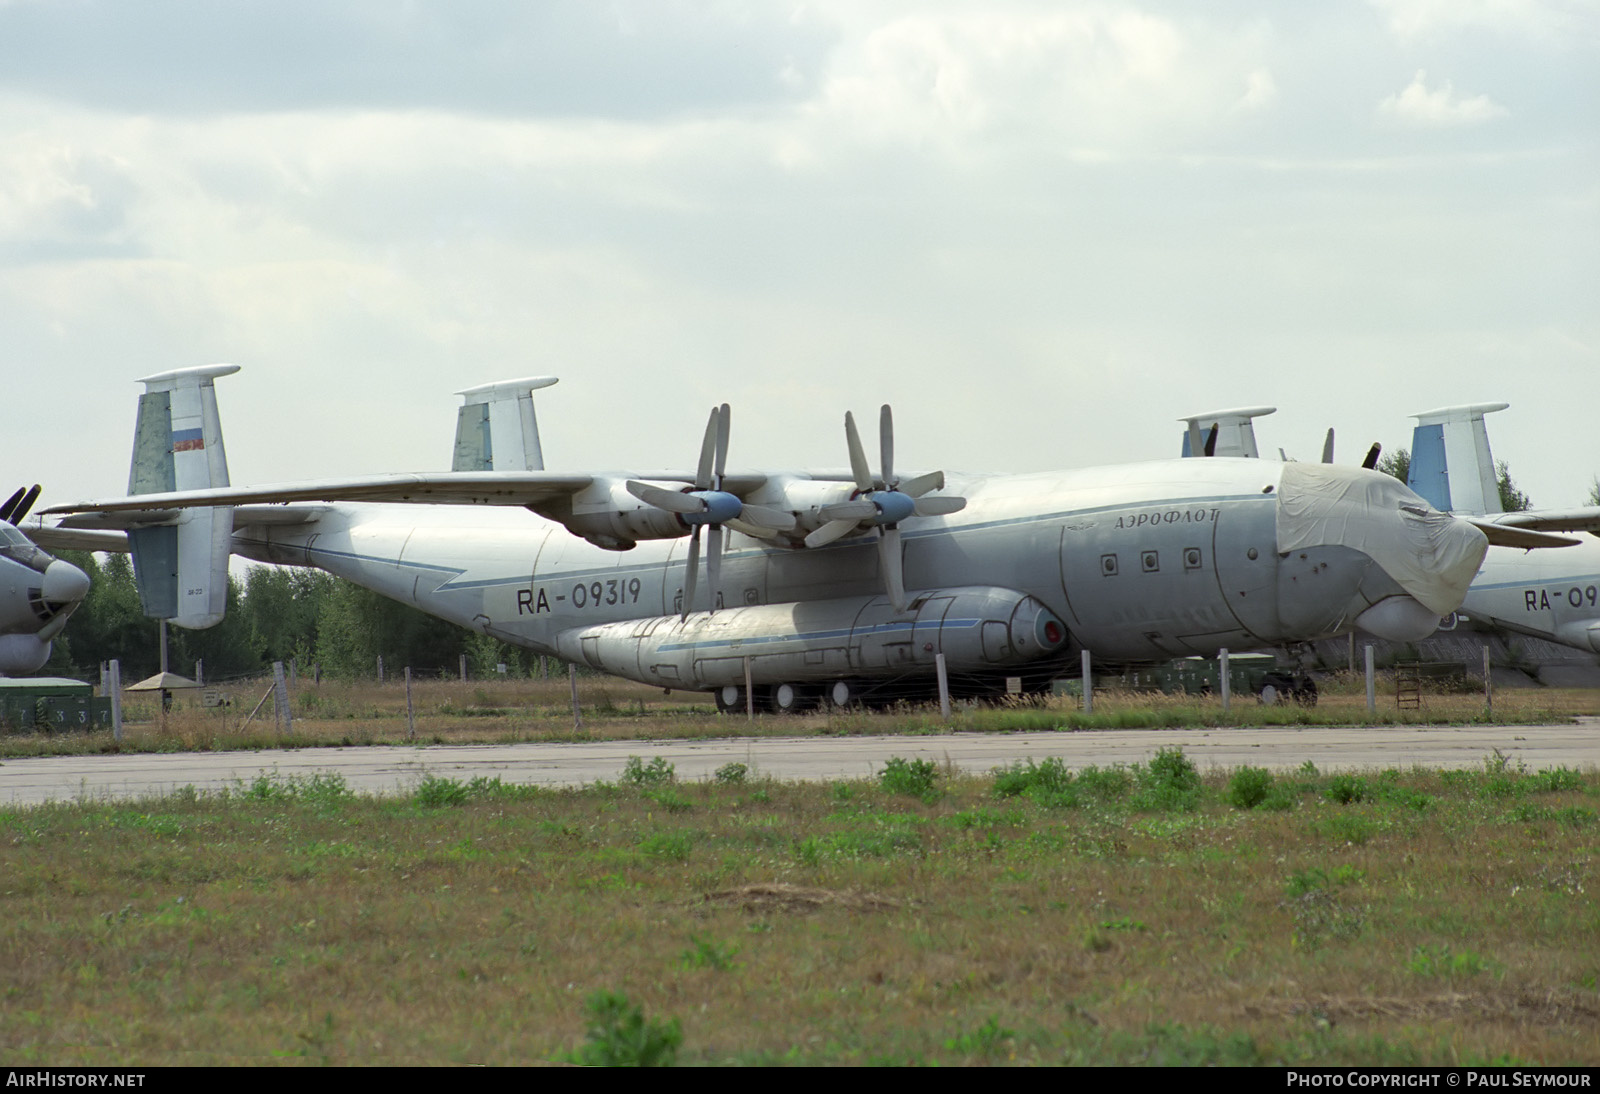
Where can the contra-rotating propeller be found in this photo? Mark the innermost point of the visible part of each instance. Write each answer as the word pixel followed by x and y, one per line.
pixel 882 503
pixel 708 504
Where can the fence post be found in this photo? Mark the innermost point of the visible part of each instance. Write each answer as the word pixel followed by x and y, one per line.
pixel 411 715
pixel 1488 689
pixel 280 698
pixel 114 688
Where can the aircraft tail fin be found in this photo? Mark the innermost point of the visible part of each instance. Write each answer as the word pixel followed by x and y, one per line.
pixel 1451 466
pixel 181 568
pixel 496 429
pixel 1236 434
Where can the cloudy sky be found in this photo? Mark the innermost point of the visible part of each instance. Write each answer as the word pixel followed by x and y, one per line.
pixel 1043 231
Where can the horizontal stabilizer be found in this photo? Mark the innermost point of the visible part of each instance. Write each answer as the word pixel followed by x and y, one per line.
pixel 1235 433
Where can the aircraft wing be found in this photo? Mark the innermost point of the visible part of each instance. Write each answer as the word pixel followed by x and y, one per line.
pixel 1512 535
pixel 439 488
pixel 56 537
pixel 1585 519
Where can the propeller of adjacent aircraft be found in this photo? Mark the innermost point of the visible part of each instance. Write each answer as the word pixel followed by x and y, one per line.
pixel 708 505
pixel 882 503
pixel 17 506
pixel 1370 462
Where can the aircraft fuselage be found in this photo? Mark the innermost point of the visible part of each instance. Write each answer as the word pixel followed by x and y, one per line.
pixel 1138 562
pixel 1547 594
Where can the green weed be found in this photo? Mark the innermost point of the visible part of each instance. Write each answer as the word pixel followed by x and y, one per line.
pixel 1249 787
pixel 1169 783
pixel 1440 961
pixel 913 778
pixel 706 953
pixel 988 1039
pixel 643 776
pixel 619 1035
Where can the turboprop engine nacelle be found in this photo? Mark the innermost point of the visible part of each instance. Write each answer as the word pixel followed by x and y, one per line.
pixel 977 628
pixel 608 516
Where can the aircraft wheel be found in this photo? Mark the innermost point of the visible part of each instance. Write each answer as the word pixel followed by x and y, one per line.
pixel 730 699
pixel 844 693
pixel 788 698
pixel 1305 692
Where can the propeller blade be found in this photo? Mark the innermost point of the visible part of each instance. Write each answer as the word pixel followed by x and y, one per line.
pixel 708 453
pixel 752 530
pixel 27 503
pixel 1372 457
pixel 670 500
pixel 723 414
pixel 858 509
pixel 691 570
pixel 1327 447
pixel 886 445
pixel 11 503
pixel 829 532
pixel 764 517
pixel 714 566
pixel 1211 440
pixel 933 480
pixel 940 506
pixel 893 566
pixel 858 456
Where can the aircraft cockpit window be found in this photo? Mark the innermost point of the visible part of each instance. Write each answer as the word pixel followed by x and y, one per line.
pixel 19 548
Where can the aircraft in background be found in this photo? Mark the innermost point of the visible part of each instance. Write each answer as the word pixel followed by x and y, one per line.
pixel 37 592
pixel 1549 595
pixel 822 586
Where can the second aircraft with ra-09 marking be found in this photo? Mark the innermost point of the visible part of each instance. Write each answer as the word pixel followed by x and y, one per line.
pixel 821 586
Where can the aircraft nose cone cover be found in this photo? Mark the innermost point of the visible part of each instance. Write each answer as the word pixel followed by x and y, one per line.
pixel 1431 555
pixel 64 583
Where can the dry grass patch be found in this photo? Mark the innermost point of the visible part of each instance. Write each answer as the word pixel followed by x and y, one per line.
pixel 497 712
pixel 798 899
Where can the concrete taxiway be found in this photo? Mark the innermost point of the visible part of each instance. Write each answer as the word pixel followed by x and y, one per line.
pixel 389 770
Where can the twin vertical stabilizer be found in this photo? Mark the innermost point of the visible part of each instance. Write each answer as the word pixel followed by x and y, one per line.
pixel 496 429
pixel 1451 467
pixel 182 568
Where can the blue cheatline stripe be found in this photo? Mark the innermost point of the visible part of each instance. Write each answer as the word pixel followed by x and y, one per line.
pixel 817 636
pixel 1564 581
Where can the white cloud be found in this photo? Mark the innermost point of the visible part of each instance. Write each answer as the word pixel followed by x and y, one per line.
pixel 1260 89
pixel 1548 20
pixel 1417 105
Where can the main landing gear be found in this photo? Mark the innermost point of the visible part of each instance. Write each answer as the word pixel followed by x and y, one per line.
pixel 1285 687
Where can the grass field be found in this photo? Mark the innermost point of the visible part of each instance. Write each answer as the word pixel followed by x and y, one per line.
pixel 1120 915
pixel 449 711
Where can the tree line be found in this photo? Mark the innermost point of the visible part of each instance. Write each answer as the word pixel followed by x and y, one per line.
pixel 274 614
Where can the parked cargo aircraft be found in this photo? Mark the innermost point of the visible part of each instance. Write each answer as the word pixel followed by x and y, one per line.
pixel 819 585
pixel 37 592
pixel 1553 595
